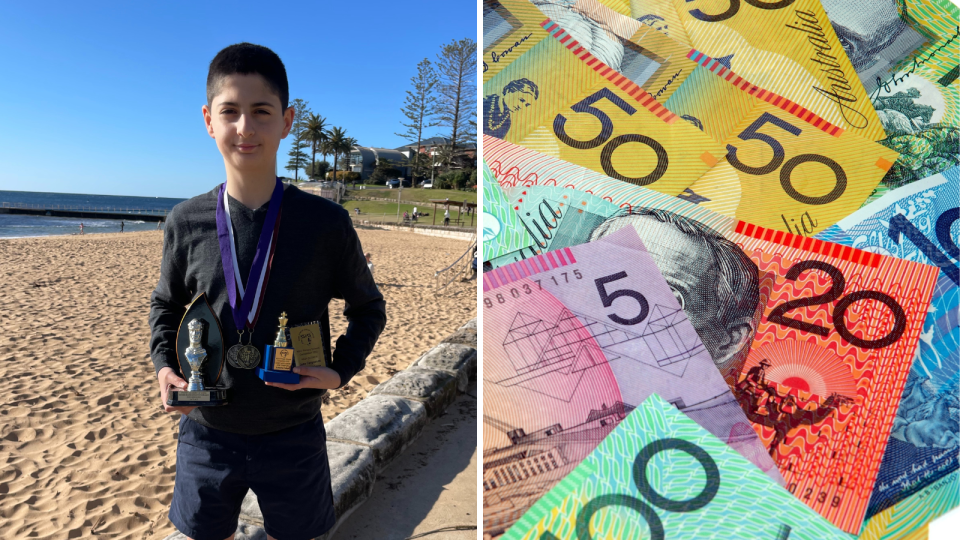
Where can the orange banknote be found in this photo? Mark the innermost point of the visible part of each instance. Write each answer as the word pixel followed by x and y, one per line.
pixel 829 359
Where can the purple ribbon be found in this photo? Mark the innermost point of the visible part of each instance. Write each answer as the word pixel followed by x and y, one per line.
pixel 242 312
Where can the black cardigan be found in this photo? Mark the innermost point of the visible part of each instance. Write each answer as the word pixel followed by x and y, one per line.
pixel 318 257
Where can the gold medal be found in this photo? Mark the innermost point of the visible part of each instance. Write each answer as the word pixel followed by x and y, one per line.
pixel 243 356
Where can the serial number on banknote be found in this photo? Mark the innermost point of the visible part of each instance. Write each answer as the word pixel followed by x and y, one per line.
pixel 821 498
pixel 518 292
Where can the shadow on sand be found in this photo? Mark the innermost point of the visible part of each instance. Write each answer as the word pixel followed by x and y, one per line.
pixel 431 487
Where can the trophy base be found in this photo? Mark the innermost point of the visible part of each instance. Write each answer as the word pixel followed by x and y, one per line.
pixel 208 397
pixel 269 375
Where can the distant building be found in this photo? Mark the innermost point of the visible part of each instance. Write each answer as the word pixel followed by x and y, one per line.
pixel 432 146
pixel 364 159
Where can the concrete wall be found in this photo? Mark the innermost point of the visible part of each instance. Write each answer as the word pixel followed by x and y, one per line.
pixel 458 234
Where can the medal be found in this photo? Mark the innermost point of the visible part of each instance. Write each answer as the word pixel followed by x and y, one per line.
pixel 243 356
pixel 246 302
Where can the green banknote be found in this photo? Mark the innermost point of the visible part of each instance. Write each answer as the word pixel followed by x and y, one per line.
pixel 660 475
pixel 919 103
pixel 503 231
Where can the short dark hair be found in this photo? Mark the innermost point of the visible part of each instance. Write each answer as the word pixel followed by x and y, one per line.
pixel 246 58
pixel 522 85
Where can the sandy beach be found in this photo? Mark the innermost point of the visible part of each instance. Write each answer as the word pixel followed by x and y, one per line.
pixel 86 451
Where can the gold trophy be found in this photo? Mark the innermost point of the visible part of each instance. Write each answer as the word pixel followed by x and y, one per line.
pixel 279 358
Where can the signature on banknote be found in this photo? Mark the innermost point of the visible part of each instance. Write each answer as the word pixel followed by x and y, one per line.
pixel 897 78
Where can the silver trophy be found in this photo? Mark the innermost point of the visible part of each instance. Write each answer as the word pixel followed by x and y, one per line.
pixel 196 356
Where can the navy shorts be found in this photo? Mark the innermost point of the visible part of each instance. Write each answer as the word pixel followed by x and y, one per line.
pixel 287 470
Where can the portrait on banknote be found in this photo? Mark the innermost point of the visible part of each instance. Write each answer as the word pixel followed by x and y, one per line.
pixel 713 279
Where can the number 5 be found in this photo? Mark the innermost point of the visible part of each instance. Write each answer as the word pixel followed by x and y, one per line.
pixel 607 299
pixel 751 133
pixel 585 105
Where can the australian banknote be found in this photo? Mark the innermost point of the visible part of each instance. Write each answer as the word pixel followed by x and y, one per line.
pixel 779 172
pixel 785 167
pixel 875 36
pixel 787 47
pixel 909 518
pixel 559 98
pixel 503 231
pixel 659 474
pixel 825 367
pixel 574 339
pixel 648 58
pixel 510 28
pixel 648 53
pixel 919 222
pixel 919 103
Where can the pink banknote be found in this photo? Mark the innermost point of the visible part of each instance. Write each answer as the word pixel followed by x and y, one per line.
pixel 575 339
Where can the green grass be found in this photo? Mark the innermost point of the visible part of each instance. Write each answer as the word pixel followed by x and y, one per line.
pixel 424 195
pixel 376 209
pixel 416 195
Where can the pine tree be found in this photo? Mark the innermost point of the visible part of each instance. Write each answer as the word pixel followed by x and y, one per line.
pixel 457 66
pixel 420 109
pixel 298 132
pixel 298 157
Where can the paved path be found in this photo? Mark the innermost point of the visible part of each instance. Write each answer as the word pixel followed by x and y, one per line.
pixel 431 487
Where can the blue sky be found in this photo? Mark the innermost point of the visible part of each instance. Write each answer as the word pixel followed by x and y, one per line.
pixel 105 98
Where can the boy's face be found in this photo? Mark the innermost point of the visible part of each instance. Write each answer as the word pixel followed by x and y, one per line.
pixel 247 123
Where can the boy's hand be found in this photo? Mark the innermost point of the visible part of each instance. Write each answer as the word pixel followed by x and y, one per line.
pixel 167 378
pixel 312 377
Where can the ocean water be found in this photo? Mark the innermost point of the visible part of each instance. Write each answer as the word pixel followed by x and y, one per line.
pixel 19 226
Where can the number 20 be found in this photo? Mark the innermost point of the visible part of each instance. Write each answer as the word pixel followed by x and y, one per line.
pixel 839 323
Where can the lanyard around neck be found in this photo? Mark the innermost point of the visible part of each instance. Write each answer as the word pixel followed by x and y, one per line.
pixel 246 307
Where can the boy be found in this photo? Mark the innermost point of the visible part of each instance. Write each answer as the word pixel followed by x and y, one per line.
pixel 289 252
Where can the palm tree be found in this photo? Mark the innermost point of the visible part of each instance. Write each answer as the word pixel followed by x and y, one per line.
pixel 338 143
pixel 316 133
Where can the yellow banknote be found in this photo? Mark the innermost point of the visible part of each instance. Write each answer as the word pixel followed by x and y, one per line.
pixel 785 174
pixel 786 47
pixel 513 27
pixel 658 14
pixel 559 99
pixel 636 50
pixel 510 28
